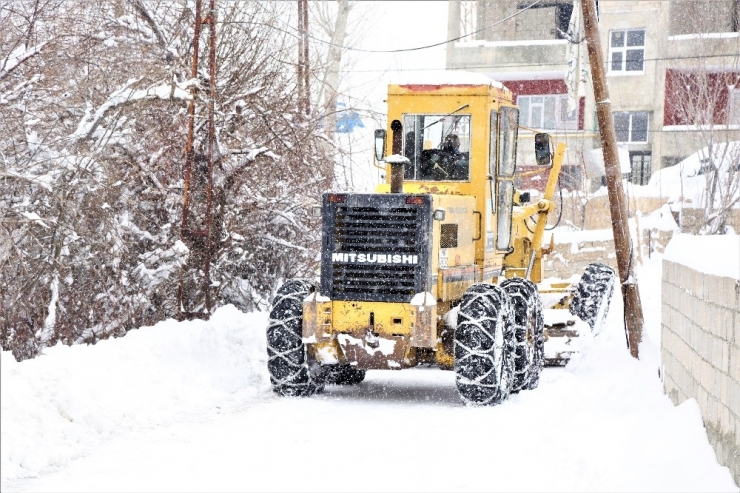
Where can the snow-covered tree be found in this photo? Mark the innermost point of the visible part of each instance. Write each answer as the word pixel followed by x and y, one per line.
pixel 698 98
pixel 93 124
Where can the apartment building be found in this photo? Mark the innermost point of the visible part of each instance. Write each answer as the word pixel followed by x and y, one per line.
pixel 673 69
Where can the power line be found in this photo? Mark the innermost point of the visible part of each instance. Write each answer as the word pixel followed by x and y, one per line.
pixel 552 64
pixel 400 50
pixel 517 65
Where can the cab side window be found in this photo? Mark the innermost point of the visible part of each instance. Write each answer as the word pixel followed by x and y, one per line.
pixel 438 147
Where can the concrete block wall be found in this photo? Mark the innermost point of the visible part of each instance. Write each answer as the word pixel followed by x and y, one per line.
pixel 568 259
pixel 700 350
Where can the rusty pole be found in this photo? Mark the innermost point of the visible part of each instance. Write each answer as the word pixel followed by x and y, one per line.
pixel 304 90
pixel 211 148
pixel 306 84
pixel 191 122
pixel 197 223
pixel 185 227
pixel 300 59
pixel 633 317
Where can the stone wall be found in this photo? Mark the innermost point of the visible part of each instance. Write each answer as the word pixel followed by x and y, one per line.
pixel 589 213
pixel 568 259
pixel 700 349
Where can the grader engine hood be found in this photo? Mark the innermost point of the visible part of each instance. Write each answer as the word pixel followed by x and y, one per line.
pixel 376 247
pixel 387 260
pixel 375 267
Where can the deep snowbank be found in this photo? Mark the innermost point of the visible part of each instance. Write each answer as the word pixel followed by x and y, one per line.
pixel 718 255
pixel 55 407
pixel 602 423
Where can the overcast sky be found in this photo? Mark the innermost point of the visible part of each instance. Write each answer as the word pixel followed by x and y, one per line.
pixel 387 25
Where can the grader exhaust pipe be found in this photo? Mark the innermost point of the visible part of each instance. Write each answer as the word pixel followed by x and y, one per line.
pixel 396 160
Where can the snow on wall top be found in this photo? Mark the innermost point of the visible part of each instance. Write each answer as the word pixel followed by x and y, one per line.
pixel 718 255
pixel 444 77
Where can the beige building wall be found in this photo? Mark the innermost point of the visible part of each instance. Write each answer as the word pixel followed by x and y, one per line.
pixel 504 53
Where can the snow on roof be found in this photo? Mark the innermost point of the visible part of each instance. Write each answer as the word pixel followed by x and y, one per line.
pixel 718 255
pixel 518 42
pixel 444 77
pixel 529 75
pixel 686 180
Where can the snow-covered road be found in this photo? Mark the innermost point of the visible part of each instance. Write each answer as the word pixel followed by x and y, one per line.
pixel 408 431
pixel 198 415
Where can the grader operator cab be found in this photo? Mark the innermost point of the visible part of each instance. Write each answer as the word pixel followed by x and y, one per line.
pixel 440 265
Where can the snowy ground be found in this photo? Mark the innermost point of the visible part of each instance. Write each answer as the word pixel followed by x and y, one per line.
pixel 187 407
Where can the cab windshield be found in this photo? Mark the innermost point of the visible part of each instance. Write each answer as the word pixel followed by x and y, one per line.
pixel 437 146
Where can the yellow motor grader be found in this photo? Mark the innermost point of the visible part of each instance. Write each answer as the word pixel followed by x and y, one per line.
pixel 439 265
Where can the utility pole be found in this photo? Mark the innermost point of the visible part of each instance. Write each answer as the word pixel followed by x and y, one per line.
pixel 633 317
pixel 194 291
pixel 304 90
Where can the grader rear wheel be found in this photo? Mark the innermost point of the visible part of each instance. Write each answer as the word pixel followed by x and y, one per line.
pixel 592 295
pixel 529 332
pixel 344 375
pixel 290 373
pixel 484 345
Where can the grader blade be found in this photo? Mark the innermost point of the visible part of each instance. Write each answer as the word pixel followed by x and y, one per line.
pixel 564 336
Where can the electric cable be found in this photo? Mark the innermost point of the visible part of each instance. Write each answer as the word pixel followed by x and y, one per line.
pixel 399 50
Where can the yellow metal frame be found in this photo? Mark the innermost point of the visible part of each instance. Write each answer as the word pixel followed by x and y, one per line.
pixel 347 331
pixel 526 259
pixel 481 100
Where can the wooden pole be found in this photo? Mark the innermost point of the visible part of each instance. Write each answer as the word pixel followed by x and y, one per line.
pixel 211 152
pixel 306 62
pixel 633 317
pixel 300 59
pixel 304 90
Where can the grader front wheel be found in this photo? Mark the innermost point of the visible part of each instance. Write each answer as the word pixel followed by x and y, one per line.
pixel 290 373
pixel 484 345
pixel 529 332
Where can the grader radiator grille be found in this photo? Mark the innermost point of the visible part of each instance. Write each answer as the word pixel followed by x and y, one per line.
pixel 375 247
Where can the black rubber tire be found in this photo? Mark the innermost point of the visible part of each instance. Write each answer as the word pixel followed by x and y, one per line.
pixel 529 332
pixel 344 375
pixel 290 373
pixel 593 294
pixel 484 345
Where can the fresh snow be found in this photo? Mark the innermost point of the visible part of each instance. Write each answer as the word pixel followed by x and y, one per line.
pixel 685 182
pixel 423 299
pixel 682 37
pixel 524 42
pixel 187 406
pixel 718 255
pixel 444 77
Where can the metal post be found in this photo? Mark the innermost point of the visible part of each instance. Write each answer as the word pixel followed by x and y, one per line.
pixel 306 84
pixel 633 316
pixel 197 222
pixel 301 110
pixel 185 226
pixel 304 91
pixel 211 148
pixel 191 122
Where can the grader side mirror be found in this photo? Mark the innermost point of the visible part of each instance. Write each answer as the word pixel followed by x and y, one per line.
pixel 542 149
pixel 379 144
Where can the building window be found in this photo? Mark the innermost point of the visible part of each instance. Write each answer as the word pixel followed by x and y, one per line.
pixel 627 51
pixel 641 167
pixel 547 112
pixel 631 127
